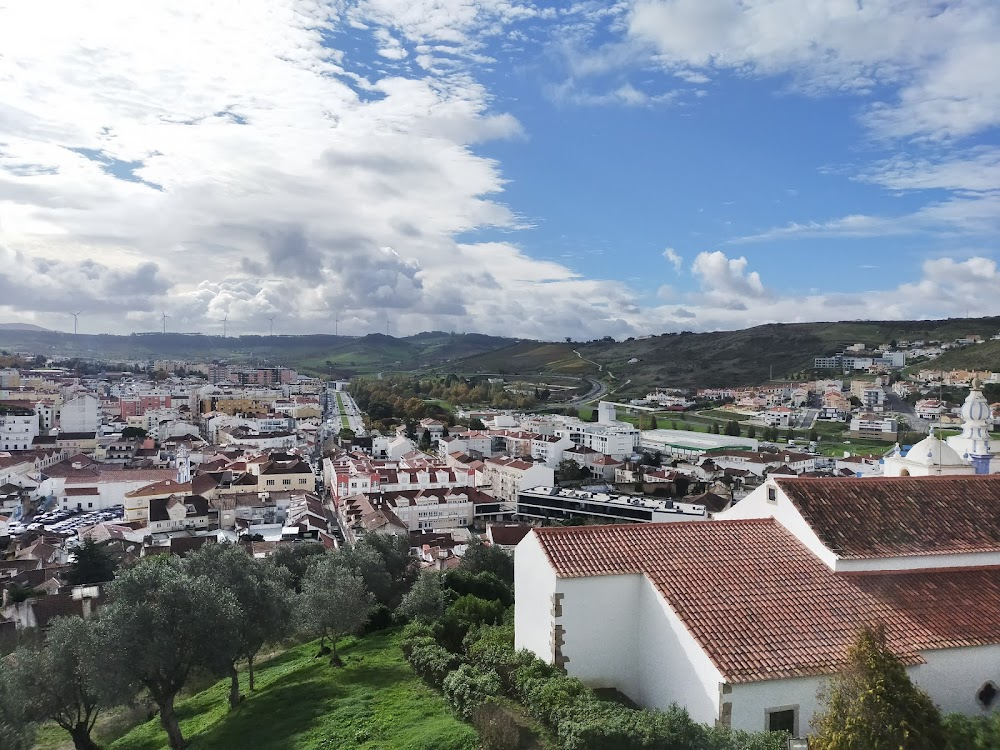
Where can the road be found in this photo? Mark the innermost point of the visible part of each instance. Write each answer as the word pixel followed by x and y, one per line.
pixel 894 403
pixel 597 390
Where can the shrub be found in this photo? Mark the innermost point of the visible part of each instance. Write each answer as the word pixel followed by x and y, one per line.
pixel 467 688
pixel 433 663
pixel 484 585
pixel 973 732
pixel 464 614
pixel 497 728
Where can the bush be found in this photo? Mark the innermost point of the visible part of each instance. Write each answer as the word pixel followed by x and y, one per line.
pixel 497 728
pixel 433 663
pixel 467 688
pixel 466 613
pixel 973 732
pixel 493 648
pixel 484 585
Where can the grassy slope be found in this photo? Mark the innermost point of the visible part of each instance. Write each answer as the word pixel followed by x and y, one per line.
pixel 374 702
pixel 985 356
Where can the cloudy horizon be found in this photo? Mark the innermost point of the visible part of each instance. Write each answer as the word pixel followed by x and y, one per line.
pixel 497 166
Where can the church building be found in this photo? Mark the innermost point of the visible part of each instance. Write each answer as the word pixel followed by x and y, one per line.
pixel 742 620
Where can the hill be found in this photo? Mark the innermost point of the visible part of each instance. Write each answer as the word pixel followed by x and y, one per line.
pixel 720 358
pixel 373 702
pixel 317 354
pixel 21 327
pixel 985 356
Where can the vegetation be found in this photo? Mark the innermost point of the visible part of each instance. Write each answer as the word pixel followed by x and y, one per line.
pixel 374 702
pixel 64 680
pixel 93 564
pixel 334 602
pixel 873 705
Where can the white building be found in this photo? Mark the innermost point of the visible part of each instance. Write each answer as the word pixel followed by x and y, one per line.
pixel 507 477
pixel 82 413
pixel 692 445
pixel 749 616
pixel 18 428
pixel 562 503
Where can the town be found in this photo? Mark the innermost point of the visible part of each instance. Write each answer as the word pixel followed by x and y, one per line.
pixel 174 458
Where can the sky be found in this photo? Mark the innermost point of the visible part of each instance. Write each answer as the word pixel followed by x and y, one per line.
pixel 497 166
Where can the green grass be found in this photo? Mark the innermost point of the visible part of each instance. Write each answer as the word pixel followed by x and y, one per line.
pixel 374 702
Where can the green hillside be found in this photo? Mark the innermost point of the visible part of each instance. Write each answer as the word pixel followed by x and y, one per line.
pixel 985 356
pixel 374 702
pixel 720 358
pixel 316 354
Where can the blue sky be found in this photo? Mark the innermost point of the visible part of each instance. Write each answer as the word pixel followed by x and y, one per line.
pixel 508 167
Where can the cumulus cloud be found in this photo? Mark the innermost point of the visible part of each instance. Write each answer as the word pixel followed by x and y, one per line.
pixel 725 280
pixel 268 170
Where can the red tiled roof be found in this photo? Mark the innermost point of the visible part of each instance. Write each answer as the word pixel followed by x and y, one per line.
pixel 763 607
pixel 78 491
pixel 892 516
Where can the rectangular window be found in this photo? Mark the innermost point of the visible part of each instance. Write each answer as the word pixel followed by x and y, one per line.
pixel 782 719
pixel 772 495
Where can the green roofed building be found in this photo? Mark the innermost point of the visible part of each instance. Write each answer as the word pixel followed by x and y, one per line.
pixel 692 445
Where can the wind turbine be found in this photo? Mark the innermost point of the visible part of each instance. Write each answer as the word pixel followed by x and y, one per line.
pixel 271 321
pixel 336 325
pixel 164 317
pixel 76 317
pixel 225 325
pixel 387 324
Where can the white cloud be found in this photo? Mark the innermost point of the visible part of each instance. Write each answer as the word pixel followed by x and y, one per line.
pixel 725 280
pixel 674 258
pixel 247 169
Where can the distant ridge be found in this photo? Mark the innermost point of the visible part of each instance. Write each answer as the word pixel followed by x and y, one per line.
pixel 21 327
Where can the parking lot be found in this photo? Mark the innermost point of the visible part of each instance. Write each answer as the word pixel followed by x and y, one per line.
pixel 66 522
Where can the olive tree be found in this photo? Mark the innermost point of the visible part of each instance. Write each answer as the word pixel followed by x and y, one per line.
pixel 263 598
pixel 334 601
pixel 64 680
pixel 17 731
pixel 162 624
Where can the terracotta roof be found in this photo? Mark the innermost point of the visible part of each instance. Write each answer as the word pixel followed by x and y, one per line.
pixel 76 491
pixel 507 535
pixel 893 516
pixel 166 487
pixel 763 607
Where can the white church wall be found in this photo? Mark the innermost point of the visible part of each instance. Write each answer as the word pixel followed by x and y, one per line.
pixel 599 620
pixel 673 667
pixel 534 584
pixel 952 677
pixel 919 562
pixel 752 701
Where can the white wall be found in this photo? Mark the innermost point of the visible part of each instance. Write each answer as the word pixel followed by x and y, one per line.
pixel 673 668
pixel 534 584
pixel 952 677
pixel 752 700
pixel 599 617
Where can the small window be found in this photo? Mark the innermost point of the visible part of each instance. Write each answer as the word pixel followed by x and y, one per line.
pixel 987 695
pixel 772 495
pixel 784 719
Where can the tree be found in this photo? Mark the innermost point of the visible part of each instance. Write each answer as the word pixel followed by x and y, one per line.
pixel 346 433
pixel 813 435
pixel 65 680
pixel 17 732
pixel 789 434
pixel 652 422
pixel 751 431
pixel 263 598
pixel 444 431
pixel 425 440
pixel 486 558
pixel 133 432
pixel 334 601
pixel 476 424
pixel 411 428
pixel 295 559
pixel 93 564
pixel 395 560
pixel 569 470
pixel 425 601
pixel 872 705
pixel 161 625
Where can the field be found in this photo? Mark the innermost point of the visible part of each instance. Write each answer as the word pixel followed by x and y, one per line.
pixel 374 702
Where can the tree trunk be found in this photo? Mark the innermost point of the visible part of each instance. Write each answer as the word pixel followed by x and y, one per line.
pixel 250 672
pixel 81 737
pixel 234 687
pixel 168 720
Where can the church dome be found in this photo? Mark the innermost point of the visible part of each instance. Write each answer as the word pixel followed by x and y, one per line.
pixel 934 452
